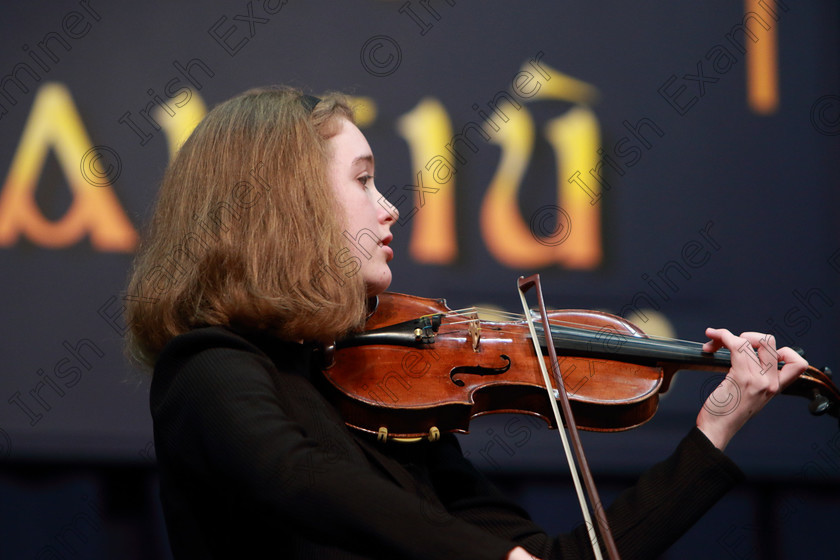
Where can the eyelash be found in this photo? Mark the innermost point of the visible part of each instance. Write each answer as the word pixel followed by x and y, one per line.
pixel 364 180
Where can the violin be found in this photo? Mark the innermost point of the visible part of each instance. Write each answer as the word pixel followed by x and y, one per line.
pixel 419 369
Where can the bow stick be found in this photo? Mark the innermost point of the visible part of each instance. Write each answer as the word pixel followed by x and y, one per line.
pixel 524 284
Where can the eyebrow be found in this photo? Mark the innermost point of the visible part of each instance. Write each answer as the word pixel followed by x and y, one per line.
pixel 367 158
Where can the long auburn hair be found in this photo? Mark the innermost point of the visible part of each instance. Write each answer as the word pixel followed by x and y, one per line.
pixel 244 225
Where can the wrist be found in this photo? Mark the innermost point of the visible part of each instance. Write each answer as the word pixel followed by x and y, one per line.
pixel 714 432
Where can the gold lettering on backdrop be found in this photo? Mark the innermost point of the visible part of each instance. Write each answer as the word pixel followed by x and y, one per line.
pixel 364 110
pixel 427 128
pixel 575 137
pixel 506 233
pixel 761 42
pixel 178 126
pixel 54 122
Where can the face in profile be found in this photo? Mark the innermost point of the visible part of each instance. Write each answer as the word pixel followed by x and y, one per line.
pixel 368 216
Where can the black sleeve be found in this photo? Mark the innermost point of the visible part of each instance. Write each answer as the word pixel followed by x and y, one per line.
pixel 645 519
pixel 221 422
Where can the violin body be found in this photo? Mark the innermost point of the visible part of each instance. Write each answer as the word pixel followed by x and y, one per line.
pixel 418 368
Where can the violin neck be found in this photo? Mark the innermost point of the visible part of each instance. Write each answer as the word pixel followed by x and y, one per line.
pixel 612 345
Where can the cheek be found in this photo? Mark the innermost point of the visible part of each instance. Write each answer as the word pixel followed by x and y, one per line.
pixel 355 214
pixel 348 203
pixel 361 211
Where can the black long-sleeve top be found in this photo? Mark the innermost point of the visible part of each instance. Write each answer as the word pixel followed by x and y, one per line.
pixel 252 457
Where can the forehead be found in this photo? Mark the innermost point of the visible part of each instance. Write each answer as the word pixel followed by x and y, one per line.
pixel 349 144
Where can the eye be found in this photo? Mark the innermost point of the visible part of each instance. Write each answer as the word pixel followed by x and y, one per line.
pixel 364 180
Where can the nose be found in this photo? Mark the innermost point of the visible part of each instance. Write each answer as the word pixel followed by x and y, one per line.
pixel 388 213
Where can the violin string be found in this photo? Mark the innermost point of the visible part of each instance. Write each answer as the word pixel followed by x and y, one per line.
pixel 519 317
pixel 576 326
pixel 569 325
pixel 672 346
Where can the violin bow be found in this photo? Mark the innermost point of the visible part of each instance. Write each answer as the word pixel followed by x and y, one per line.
pixel 524 284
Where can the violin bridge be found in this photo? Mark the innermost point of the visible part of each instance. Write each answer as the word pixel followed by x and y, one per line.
pixel 475 331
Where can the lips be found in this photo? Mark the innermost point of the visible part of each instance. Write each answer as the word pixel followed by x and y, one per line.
pixel 384 244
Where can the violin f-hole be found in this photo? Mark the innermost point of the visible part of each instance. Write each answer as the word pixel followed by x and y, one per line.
pixel 478 370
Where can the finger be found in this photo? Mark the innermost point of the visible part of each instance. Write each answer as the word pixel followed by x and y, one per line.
pixel 716 339
pixel 742 353
pixel 758 339
pixel 795 365
pixel 765 345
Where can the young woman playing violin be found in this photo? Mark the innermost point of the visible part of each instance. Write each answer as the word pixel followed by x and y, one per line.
pixel 247 266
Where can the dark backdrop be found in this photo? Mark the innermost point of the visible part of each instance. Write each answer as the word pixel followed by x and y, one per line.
pixel 709 203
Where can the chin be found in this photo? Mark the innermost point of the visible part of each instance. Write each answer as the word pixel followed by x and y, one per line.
pixel 378 285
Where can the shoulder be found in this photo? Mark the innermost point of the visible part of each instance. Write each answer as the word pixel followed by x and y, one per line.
pixel 196 341
pixel 204 350
pixel 221 343
pixel 213 361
